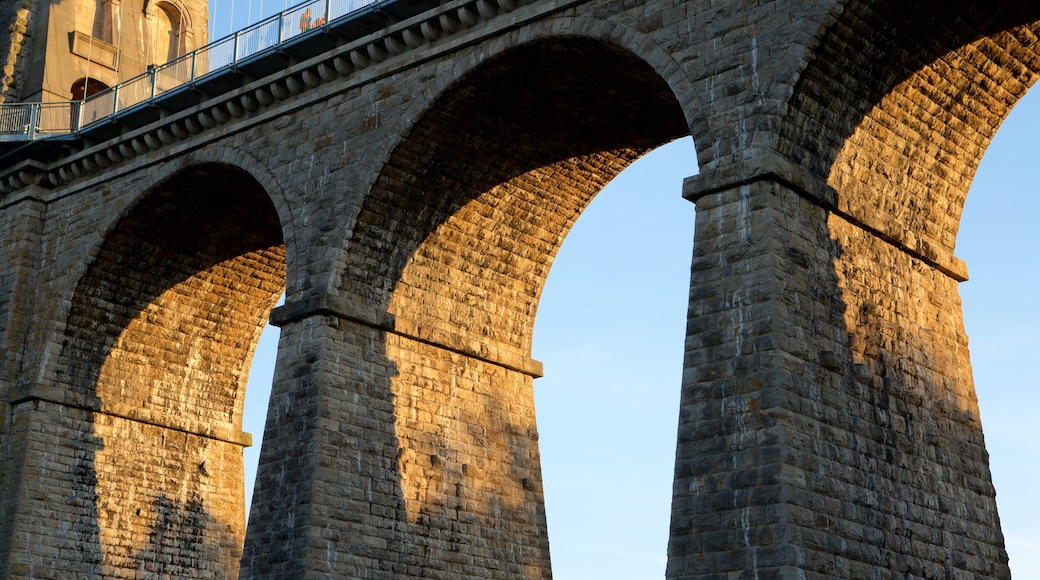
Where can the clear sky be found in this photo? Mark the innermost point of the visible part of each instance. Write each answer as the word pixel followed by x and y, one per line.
pixel 999 239
pixel 610 332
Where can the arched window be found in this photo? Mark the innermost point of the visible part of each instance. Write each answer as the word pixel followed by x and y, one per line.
pixel 86 87
pixel 167 33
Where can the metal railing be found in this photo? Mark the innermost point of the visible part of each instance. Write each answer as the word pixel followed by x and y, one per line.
pixel 29 121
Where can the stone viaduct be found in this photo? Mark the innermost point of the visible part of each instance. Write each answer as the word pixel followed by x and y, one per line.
pixel 407 185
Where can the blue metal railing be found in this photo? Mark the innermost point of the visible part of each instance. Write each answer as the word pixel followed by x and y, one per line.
pixel 30 121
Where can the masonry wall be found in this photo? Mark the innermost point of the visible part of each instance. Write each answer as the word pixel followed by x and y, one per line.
pixel 129 451
pixel 911 418
pixel 94 508
pixel 18 22
pixel 419 462
pixel 828 423
pixel 23 229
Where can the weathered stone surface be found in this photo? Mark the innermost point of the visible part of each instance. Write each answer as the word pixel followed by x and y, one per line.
pixel 408 190
pixel 16 42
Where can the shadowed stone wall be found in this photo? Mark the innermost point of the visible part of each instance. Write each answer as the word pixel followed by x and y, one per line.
pixel 829 424
pixel 409 188
pixel 19 18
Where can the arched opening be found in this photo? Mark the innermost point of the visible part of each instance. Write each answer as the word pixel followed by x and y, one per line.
pixel 257 402
pixel 168 34
pixel 157 347
pixel 997 238
pixel 454 243
pixel 434 431
pixel 86 87
pixel 901 142
pixel 610 331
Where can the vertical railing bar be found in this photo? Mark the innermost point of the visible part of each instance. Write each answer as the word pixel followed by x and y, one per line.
pixel 34 117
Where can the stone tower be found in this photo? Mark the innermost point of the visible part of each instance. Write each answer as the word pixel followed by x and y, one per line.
pixel 60 50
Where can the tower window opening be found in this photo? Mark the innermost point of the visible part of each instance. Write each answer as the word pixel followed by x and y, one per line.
pixel 167 34
pixel 86 87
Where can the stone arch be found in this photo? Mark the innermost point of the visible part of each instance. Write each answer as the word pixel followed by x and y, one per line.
pixel 251 169
pixel 643 47
pixel 422 152
pixel 155 352
pixel 455 240
pixel 897 105
pixel 233 159
pixel 626 39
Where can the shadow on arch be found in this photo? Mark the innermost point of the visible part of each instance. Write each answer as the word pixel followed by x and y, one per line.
pixel 899 102
pixel 157 346
pixel 454 242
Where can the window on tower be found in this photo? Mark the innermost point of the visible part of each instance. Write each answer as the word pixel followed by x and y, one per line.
pixel 167 33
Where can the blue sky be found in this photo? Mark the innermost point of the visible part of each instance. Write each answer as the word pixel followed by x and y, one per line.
pixel 610 332
pixel 999 239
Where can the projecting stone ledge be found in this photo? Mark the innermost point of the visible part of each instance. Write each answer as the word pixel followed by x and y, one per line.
pixel 432 334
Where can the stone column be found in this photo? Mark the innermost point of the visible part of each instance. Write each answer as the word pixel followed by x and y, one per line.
pixel 728 512
pixel 828 423
pixel 387 455
pixel 47 500
pixel 303 438
pixel 21 222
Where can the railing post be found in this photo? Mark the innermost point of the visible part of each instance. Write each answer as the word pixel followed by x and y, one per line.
pixel 328 12
pixel 234 52
pixel 34 119
pixel 192 72
pixel 78 119
pixel 115 99
pixel 281 26
pixel 154 75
